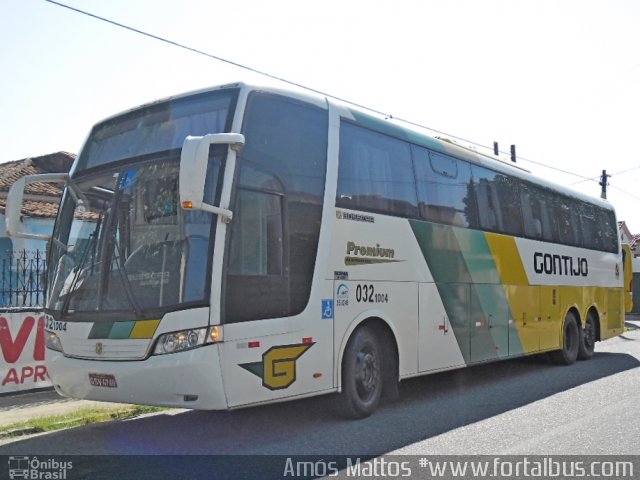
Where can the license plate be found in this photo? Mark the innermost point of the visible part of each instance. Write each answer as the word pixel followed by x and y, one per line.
pixel 103 380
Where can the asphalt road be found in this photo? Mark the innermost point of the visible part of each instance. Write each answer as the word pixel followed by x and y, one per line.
pixel 524 406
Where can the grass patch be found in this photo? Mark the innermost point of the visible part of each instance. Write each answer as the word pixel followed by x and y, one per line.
pixel 75 419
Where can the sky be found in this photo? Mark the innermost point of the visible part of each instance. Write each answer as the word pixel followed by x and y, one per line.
pixel 560 79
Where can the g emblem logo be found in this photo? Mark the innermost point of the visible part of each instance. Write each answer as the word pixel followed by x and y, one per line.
pixel 278 366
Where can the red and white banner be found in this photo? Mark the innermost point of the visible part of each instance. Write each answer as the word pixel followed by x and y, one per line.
pixel 23 350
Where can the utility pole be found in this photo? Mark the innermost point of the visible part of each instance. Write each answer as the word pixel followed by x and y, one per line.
pixel 603 183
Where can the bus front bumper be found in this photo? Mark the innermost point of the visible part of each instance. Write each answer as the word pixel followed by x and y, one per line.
pixel 189 379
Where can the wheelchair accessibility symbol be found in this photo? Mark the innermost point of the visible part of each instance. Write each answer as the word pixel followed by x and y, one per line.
pixel 327 309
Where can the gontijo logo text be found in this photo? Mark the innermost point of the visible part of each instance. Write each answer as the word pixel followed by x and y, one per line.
pixel 368 254
pixel 553 264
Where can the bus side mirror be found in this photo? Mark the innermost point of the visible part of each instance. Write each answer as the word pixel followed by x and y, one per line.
pixel 14 203
pixel 193 171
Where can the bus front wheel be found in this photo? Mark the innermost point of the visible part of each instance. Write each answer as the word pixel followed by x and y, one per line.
pixel 362 373
pixel 568 352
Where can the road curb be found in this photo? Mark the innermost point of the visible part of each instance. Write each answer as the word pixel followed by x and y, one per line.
pixel 19 432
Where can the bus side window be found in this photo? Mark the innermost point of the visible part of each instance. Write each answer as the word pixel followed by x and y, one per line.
pixel 443 187
pixel 606 220
pixel 375 173
pixel 257 234
pixel 591 233
pixel 489 210
pixel 277 208
pixel 567 213
pixel 498 201
pixel 530 215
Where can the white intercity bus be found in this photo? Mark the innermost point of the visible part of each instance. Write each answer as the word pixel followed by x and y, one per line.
pixel 244 245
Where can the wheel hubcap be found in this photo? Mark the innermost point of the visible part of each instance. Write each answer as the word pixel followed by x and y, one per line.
pixel 366 374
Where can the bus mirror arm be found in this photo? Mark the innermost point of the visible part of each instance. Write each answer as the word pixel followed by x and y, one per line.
pixel 15 198
pixel 194 161
pixel 227 215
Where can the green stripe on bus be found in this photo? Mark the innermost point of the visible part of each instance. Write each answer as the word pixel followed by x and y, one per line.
pixel 488 283
pixel 469 285
pixel 121 330
pixel 100 330
pixel 111 330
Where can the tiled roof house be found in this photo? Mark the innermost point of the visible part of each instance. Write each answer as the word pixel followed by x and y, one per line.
pixel 21 259
pixel 41 199
pixel 627 237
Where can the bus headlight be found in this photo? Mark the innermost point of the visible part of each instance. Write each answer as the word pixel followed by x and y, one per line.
pixel 179 341
pixel 53 342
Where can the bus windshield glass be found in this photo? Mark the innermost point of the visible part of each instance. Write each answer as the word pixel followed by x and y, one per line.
pixel 126 247
pixel 122 247
pixel 156 128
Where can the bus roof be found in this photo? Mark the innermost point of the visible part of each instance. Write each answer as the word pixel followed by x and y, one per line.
pixel 395 128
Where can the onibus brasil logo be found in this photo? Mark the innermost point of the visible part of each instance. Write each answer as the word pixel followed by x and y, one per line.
pixel 37 469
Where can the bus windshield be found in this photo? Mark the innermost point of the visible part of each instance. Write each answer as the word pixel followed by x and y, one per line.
pixel 126 247
pixel 122 247
pixel 156 128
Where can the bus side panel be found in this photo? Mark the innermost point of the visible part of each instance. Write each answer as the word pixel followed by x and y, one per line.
pixel 295 360
pixel 469 276
pixel 615 313
pixel 550 318
pixel 438 348
pixel 396 303
pixel 525 306
pixel 377 266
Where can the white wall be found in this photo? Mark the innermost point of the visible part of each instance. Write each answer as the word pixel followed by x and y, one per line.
pixel 23 351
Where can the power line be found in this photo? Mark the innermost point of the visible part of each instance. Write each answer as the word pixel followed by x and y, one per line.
pixel 295 84
pixel 540 164
pixel 594 179
pixel 216 57
pixel 626 193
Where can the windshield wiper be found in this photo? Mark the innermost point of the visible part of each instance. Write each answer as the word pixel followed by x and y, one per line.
pixel 127 284
pixel 78 270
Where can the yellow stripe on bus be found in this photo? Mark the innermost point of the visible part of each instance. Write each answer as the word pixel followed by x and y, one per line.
pixel 144 329
pixel 507 258
pixel 523 298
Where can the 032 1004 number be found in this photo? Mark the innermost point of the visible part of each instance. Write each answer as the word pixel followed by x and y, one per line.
pixel 366 293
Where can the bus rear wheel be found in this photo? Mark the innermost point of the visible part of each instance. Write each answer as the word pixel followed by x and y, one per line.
pixel 568 353
pixel 587 342
pixel 362 373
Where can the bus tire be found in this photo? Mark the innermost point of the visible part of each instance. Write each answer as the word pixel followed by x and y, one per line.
pixel 362 374
pixel 568 352
pixel 587 338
